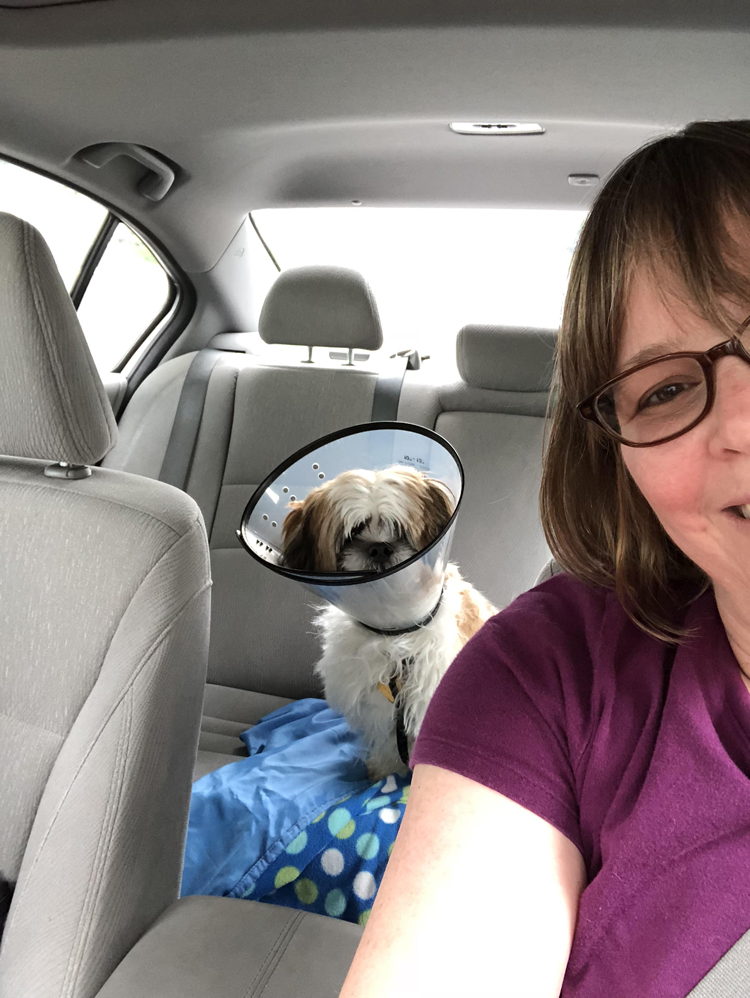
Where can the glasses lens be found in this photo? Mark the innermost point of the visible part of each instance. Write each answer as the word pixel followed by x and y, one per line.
pixel 656 402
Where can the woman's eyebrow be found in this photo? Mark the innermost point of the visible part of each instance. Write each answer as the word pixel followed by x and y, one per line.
pixel 651 353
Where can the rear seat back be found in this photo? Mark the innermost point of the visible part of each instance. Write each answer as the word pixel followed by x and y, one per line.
pixel 258 414
pixel 495 418
pixel 255 415
pixel 261 631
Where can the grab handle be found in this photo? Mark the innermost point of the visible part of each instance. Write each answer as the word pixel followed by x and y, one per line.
pixel 157 182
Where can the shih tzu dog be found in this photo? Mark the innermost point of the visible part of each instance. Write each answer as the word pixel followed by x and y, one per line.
pixel 373 521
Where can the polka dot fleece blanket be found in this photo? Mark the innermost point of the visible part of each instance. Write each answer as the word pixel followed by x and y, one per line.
pixel 297 823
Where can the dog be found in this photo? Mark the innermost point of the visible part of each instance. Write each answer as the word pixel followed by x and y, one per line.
pixel 373 521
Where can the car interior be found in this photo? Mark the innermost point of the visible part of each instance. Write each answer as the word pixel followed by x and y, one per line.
pixel 229 192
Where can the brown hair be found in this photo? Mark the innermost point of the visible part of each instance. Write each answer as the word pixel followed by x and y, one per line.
pixel 666 208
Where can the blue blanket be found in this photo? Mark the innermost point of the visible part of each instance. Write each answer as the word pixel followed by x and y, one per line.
pixel 297 823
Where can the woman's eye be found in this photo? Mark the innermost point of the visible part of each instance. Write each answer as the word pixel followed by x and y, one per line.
pixel 663 394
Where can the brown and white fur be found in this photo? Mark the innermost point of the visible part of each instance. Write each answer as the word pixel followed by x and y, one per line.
pixel 372 521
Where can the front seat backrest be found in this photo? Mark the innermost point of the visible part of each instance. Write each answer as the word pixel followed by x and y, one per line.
pixel 104 618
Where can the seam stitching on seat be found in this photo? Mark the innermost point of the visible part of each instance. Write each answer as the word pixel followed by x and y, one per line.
pixel 282 950
pixel 94 886
pixel 29 724
pixel 276 952
pixel 111 501
pixel 101 400
pixel 461 358
pixel 136 673
pixel 72 423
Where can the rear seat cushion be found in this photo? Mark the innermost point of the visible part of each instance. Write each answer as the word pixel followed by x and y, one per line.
pixel 208 946
pixel 227 712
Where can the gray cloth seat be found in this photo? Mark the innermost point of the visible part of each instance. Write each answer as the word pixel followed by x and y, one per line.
pixel 255 415
pixel 104 588
pixel 206 947
pixel 261 648
pixel 495 418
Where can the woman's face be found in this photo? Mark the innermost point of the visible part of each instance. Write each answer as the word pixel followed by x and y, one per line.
pixel 693 482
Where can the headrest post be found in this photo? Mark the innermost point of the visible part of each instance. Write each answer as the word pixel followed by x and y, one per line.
pixel 350 361
pixel 309 356
pixel 64 470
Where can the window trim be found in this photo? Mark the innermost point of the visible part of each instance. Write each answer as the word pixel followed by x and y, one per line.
pixel 169 304
pixel 181 300
pixel 92 259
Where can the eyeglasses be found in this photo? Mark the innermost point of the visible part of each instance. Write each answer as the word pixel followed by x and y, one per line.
pixel 663 398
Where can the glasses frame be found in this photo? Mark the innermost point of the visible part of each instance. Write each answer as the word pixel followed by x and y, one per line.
pixel 706 358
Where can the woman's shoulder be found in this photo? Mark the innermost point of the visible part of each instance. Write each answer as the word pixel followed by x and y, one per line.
pixel 515 709
pixel 520 704
pixel 563 614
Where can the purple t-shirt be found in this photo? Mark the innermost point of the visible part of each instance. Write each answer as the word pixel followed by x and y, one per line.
pixel 639 754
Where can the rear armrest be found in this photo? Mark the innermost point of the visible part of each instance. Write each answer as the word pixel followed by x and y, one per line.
pixel 238 949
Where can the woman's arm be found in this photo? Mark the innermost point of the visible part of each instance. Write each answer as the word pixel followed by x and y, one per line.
pixel 479 899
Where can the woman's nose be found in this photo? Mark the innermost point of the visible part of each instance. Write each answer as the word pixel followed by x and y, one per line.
pixel 731 408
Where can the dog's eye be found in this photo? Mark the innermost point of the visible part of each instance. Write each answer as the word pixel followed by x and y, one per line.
pixel 358 530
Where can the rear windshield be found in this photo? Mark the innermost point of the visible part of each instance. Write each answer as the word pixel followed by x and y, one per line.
pixel 434 270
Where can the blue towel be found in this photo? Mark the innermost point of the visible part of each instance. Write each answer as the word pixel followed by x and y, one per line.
pixel 297 823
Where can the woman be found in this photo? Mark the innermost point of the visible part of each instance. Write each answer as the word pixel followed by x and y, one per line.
pixel 580 814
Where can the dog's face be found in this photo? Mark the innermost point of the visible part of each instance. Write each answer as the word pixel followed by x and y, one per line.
pixel 365 521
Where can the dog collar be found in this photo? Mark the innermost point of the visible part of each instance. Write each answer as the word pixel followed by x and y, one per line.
pixel 395 631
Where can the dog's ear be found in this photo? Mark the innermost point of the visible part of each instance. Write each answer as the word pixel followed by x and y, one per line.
pixel 309 536
pixel 437 508
pixel 297 553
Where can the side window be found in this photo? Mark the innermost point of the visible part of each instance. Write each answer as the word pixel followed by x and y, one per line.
pixel 69 221
pixel 128 290
pixel 129 287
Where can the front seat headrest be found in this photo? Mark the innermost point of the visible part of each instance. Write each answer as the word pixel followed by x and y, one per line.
pixel 321 307
pixel 52 402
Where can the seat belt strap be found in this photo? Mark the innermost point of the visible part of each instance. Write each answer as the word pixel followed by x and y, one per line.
pixel 178 458
pixel 387 393
pixel 730 977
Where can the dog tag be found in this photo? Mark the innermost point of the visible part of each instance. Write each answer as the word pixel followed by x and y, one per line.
pixel 385 691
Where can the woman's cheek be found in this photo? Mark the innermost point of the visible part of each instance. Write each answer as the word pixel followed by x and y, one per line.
pixel 671 481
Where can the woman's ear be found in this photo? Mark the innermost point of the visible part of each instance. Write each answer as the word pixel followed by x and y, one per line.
pixel 437 508
pixel 309 536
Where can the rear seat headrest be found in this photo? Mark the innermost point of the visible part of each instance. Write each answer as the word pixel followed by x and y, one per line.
pixel 52 401
pixel 506 358
pixel 321 307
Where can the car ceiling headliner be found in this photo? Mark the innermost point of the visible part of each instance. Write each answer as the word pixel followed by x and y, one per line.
pixel 290 103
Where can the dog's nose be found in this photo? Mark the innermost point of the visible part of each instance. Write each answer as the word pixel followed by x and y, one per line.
pixel 379 551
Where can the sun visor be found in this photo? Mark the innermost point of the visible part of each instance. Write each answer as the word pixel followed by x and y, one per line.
pixel 396 599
